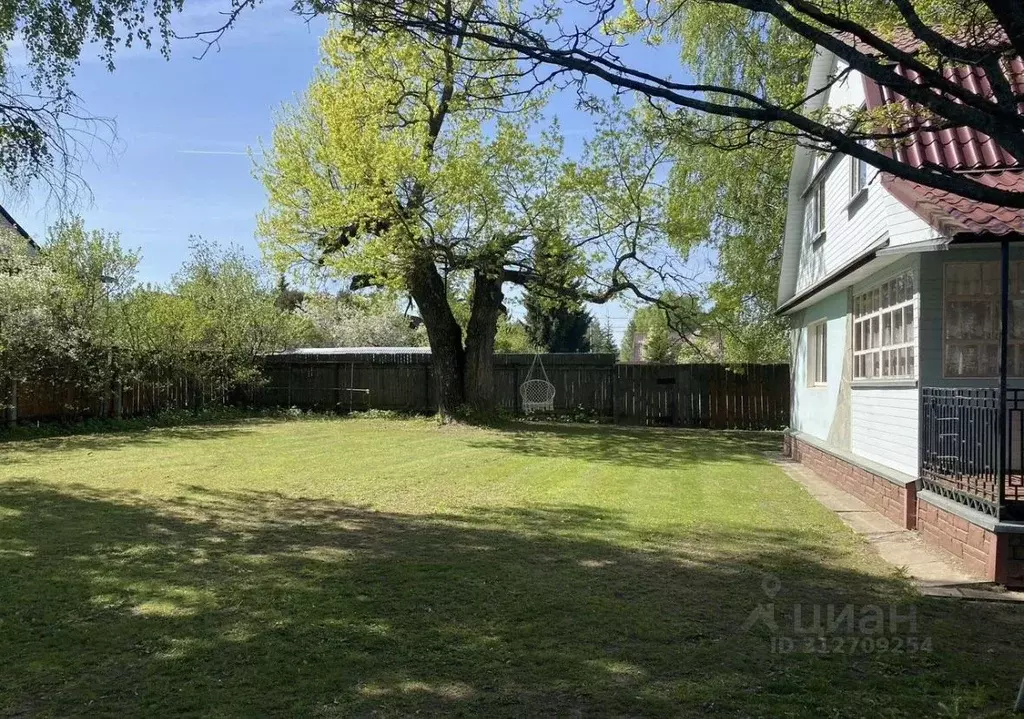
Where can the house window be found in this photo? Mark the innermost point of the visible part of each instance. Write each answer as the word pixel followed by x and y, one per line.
pixel 970 319
pixel 858 176
pixel 885 331
pixel 817 353
pixel 815 213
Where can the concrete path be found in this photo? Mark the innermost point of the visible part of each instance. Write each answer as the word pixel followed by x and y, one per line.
pixel 934 572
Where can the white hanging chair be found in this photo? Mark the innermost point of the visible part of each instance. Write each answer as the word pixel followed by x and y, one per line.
pixel 538 395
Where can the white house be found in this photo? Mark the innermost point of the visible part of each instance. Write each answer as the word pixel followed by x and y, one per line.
pixel 893 295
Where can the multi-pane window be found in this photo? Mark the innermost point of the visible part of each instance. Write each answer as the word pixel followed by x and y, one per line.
pixel 858 176
pixel 970 319
pixel 885 331
pixel 817 351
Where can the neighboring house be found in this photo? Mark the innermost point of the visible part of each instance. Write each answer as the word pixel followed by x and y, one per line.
pixel 7 220
pixel 893 295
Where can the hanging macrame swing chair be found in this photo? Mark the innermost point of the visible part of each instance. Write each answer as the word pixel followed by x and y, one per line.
pixel 538 394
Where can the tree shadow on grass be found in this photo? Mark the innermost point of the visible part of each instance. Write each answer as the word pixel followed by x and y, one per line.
pixel 28 446
pixel 243 604
pixel 631 446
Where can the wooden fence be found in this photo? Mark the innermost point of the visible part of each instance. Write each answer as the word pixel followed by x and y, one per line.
pixel 685 395
pixel 752 396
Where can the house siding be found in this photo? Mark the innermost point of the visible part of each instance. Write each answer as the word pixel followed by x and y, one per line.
pixel 814 409
pixel 884 426
pixel 852 225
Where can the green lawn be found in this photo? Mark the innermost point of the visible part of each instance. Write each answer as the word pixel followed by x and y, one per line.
pixel 356 567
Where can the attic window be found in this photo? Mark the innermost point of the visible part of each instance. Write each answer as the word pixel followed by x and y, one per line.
pixel 815 213
pixel 858 176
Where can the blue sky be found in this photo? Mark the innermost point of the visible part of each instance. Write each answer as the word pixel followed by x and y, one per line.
pixel 180 165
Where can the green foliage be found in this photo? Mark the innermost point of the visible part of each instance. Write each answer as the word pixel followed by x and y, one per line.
pixel 58 306
pixel 658 346
pixel 728 188
pixel 73 314
pixel 512 337
pixel 601 339
pixel 352 319
pixel 214 319
pixel 28 323
pixel 667 332
pixel 555 321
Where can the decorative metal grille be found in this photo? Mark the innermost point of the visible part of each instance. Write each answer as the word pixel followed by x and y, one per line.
pixel 959 448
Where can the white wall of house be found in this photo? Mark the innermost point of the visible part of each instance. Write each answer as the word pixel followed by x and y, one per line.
pixel 884 426
pixel 852 223
pixel 814 408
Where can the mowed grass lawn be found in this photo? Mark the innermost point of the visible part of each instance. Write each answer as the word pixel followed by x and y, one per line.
pixel 356 567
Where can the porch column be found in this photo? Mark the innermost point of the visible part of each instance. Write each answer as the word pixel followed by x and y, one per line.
pixel 1004 336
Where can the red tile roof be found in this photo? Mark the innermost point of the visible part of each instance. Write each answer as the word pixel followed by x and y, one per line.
pixel 962 149
pixel 952 214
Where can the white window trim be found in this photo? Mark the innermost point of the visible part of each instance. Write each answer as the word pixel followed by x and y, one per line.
pixel 856 188
pixel 816 196
pixel 813 365
pixel 1019 343
pixel 913 343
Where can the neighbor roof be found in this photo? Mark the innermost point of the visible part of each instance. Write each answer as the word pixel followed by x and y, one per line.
pixel 18 228
pixel 963 149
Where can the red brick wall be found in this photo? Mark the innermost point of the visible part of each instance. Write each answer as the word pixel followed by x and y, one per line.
pixel 973 545
pixel 895 501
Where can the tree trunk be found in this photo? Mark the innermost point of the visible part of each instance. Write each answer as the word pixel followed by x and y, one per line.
pixel 480 334
pixel 448 358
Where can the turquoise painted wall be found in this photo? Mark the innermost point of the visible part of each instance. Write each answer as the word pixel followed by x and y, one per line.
pixel 814 408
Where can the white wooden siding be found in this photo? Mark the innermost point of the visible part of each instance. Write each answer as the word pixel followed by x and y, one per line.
pixel 884 426
pixel 850 229
pixel 904 225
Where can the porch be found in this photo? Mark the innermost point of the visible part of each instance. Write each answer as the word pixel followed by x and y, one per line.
pixel 962 431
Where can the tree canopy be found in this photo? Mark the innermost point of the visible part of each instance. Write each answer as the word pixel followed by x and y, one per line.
pixel 906 45
pixel 427 168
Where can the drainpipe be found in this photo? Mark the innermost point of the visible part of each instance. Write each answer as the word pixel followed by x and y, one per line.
pixel 1004 334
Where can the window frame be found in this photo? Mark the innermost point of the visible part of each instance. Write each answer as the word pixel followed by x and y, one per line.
pixel 870 326
pixel 1014 345
pixel 816 196
pixel 858 177
pixel 817 354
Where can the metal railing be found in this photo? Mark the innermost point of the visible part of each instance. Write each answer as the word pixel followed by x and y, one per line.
pixel 960 448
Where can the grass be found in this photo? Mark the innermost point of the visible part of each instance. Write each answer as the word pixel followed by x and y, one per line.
pixel 358 567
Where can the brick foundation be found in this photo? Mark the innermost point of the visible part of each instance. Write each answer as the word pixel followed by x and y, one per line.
pixel 989 551
pixel 896 501
pixel 995 555
pixel 973 545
